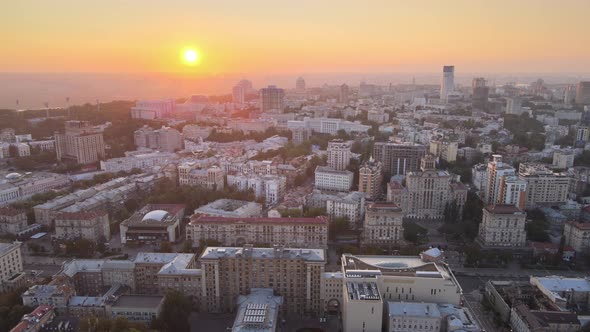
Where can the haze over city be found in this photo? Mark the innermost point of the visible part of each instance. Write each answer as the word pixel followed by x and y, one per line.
pixel 295 166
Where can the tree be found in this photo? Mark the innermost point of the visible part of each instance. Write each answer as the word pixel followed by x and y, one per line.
pixel 165 246
pixel 339 225
pixel 11 309
pixel 413 232
pixel 175 312
pixel 81 248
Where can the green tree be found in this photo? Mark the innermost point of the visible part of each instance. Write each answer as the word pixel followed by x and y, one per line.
pixel 165 246
pixel 175 312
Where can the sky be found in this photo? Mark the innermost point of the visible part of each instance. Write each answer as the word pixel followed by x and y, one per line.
pixel 290 37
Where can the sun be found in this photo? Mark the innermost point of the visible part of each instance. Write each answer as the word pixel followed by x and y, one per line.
pixel 190 57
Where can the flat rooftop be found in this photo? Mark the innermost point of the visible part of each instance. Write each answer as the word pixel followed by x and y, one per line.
pixel 413 309
pixel 362 291
pixel 315 255
pixel 138 301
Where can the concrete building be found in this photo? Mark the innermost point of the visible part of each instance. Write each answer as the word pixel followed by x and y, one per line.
pixel 80 143
pixel 238 94
pixel 502 226
pixel 152 109
pixel 479 93
pixel 331 292
pixel 383 225
pixel 577 235
pixel 565 293
pixel 270 187
pixel 17 187
pixel 512 191
pixel 194 132
pixel 496 171
pixel 90 225
pixel 300 84
pixel 57 294
pixel 328 125
pixel 11 266
pixel 363 307
pixel 157 272
pixel 398 158
pixel 165 139
pixel 514 106
pixel 543 186
pixel 154 223
pixel 230 208
pixel 272 98
pixel 338 154
pixel 371 179
pixel 136 308
pixel 447 82
pixel 427 192
pixel 340 204
pixel 522 319
pixel 300 135
pixel 583 93
pixel 287 232
pixel 343 94
pixel 259 310
pixel 445 150
pixel 12 221
pixel 190 174
pixel 327 178
pixel 563 159
pixel 410 317
pixel 144 162
pixel 294 274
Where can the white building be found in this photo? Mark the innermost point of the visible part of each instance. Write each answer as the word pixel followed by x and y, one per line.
pixel 11 265
pixel 327 178
pixel 327 125
pixel 563 159
pixel 577 236
pixel 338 154
pixel 351 206
pixel 15 186
pixel 410 317
pixel 271 187
pixel 447 83
pixel 140 161
pixel 152 109
pixel 502 226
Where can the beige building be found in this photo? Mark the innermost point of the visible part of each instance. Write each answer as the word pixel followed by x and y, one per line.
pixel 577 236
pixel 294 274
pixel 370 179
pixel 522 319
pixel 331 291
pixel 543 186
pixel 11 266
pixel 136 308
pixel 413 317
pixel 363 306
pixel 91 225
pixel 502 226
pixel 12 220
pixel 496 172
pixel 428 192
pixel 563 159
pixel 57 293
pixel 288 232
pixel 210 178
pixel 383 225
pixel 398 158
pixel 338 154
pixel 154 223
pixel 445 150
pixel 81 143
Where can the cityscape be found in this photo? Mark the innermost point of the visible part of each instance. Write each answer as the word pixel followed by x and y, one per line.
pixel 224 179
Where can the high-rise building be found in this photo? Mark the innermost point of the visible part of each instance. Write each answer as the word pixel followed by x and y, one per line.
pixel 338 154
pixel 300 84
pixel 447 83
pixel 11 266
pixel 543 186
pixel 512 191
pixel 164 139
pixel 569 95
pixel 343 93
pixel 370 179
pixel 81 143
pixel 496 172
pixel 583 93
pixel 398 158
pixel 583 134
pixel 480 93
pixel 272 98
pixel 238 94
pixel 513 105
pixel 502 226
pixel 327 178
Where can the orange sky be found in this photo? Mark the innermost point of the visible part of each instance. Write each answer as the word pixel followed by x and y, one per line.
pixel 260 36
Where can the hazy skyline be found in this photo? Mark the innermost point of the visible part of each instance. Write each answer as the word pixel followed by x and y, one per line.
pixel 277 37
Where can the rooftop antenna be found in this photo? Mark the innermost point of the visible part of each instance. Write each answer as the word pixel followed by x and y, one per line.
pixel 47 110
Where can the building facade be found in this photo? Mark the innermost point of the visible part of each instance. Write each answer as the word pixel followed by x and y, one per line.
pixel 80 143
pixel 502 226
pixel 398 158
pixel 577 235
pixel 272 98
pixel 90 225
pixel 383 225
pixel 371 179
pixel 12 221
pixel 327 178
pixel 338 154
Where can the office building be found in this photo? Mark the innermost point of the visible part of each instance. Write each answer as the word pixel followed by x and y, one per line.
pixel 371 179
pixel 11 266
pixel 543 186
pixel 258 311
pixel 480 93
pixel 287 232
pixel 90 225
pixel 272 99
pixel 238 93
pixel 502 226
pixel 577 236
pixel 343 94
pixel 300 84
pixel 328 125
pixel 514 106
pixel 338 154
pixel 12 220
pixel 447 83
pixel 398 158
pixel 80 143
pixel 294 274
pixel 327 178
pixel 583 93
pixel 383 225
pixel 153 224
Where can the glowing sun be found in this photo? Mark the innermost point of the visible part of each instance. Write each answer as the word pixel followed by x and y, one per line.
pixel 190 56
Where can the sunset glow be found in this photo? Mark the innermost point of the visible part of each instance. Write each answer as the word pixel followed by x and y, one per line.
pixel 190 57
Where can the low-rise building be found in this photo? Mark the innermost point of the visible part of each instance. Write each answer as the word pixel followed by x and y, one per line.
pixel 91 225
pixel 136 308
pixel 363 307
pixel 288 232
pixel 11 266
pixel 57 293
pixel 383 225
pixel 189 174
pixel 154 223
pixel 410 317
pixel 36 320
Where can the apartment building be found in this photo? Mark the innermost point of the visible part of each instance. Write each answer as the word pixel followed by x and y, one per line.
pixel 502 226
pixel 411 316
pixel 294 274
pixel 230 208
pixel 398 158
pixel 165 139
pixel 12 221
pixel 270 187
pixel 496 171
pixel 327 178
pixel 91 225
pixel 157 272
pixel 11 266
pixel 339 154
pixel 577 236
pixel 543 186
pixel 287 232
pixel 383 225
pixel 81 143
pixel 189 174
pixel 18 187
pixel 371 179
pixel 340 204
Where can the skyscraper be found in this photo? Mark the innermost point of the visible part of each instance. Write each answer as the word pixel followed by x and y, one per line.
pixel 81 143
pixel 479 98
pixel 300 84
pixel 272 98
pixel 583 93
pixel 344 92
pixel 238 94
pixel 447 83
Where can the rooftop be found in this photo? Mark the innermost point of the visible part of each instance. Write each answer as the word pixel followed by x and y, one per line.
pixel 362 291
pixel 413 309
pixel 503 209
pixel 196 219
pixel 312 255
pixel 138 301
